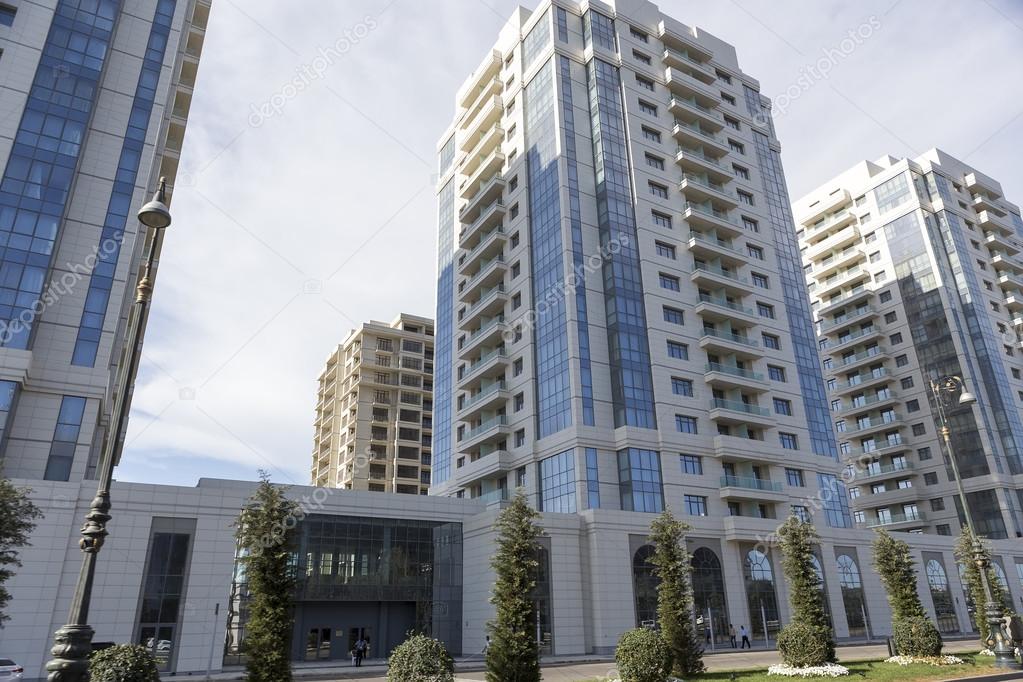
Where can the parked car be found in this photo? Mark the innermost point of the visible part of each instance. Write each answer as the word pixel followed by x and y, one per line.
pixel 9 670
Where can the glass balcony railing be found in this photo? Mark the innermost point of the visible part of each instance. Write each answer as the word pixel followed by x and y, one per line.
pixel 731 336
pixel 725 303
pixel 739 406
pixel 734 371
pixel 750 483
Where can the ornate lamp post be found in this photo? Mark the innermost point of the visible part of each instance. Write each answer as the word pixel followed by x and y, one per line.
pixel 72 644
pixel 948 392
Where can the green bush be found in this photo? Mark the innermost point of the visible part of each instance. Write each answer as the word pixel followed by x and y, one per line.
pixel 123 663
pixel 420 659
pixel 916 636
pixel 643 656
pixel 803 645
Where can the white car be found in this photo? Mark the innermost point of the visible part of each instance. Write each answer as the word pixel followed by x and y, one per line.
pixel 9 670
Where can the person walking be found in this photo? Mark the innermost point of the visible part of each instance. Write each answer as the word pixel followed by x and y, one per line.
pixel 745 638
pixel 731 635
pixel 360 651
pixel 486 646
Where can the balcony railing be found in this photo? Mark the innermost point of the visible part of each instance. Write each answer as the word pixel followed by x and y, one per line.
pixel 484 426
pixel 864 378
pixel 487 357
pixel 720 272
pixel 717 215
pixel 870 472
pixel 872 353
pixel 731 336
pixel 893 519
pixel 867 401
pixel 725 303
pixel 845 319
pixel 484 394
pixel 734 371
pixel 714 241
pixel 739 406
pixel 750 483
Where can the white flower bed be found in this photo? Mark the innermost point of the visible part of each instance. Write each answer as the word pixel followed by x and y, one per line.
pixel 985 652
pixel 929 660
pixel 826 670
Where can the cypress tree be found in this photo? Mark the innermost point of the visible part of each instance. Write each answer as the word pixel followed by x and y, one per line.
pixel 265 534
pixel 895 566
pixel 673 567
pixel 972 583
pixel 809 618
pixel 514 653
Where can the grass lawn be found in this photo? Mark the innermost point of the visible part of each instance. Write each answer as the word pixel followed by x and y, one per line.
pixel 869 670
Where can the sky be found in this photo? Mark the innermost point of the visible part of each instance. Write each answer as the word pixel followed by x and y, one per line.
pixel 305 202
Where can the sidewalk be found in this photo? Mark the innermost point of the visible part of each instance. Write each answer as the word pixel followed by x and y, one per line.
pixel 579 668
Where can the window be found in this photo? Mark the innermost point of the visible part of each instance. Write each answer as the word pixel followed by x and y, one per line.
pixel 733 123
pixel 794 477
pixel 685 423
pixel 639 475
pixel 520 438
pixel 736 146
pixel 520 402
pixel 755 251
pixel 517 367
pixel 759 280
pixel 728 98
pixel 788 441
pixel 7 15
pixel 907 382
pixel 65 439
pixel 776 373
pixel 637 34
pixel 723 77
pixel 771 341
pixel 802 513
pixel 661 219
pixel 696 505
pixel 895 338
pixel 901 360
pixel 919 429
pixel 682 387
pixel 647 107
pixel 665 250
pixel 740 171
pixel 659 191
pixel 938 504
pixel 890 317
pixel 943 529
pixel 923 454
pixel 673 315
pixel 875 257
pixel 745 197
pixel 646 84
pixel 765 310
pixel 692 464
pixel 783 407
pixel 886 296
pixel 913 405
pixel 654 161
pixel 513 184
pixel 640 57
pixel 669 282
pixel 930 478
pixel 557 483
pixel 513 214
pixel 679 351
pixel 651 134
pixel 516 301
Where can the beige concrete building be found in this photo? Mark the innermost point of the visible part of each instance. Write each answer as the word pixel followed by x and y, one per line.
pixel 914 270
pixel 374 409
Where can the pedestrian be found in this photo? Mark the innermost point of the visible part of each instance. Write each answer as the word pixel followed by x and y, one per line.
pixel 360 651
pixel 745 638
pixel 731 634
pixel 486 646
pixel 706 633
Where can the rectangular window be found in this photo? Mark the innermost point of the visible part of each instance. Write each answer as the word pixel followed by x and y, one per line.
pixel 755 252
pixel 669 282
pixel 661 219
pixel 557 483
pixel 592 481
pixel 776 373
pixel 165 583
pixel 679 351
pixel 835 501
pixel 740 171
pixel 654 161
pixel 65 439
pixel 659 191
pixel 783 407
pixel 7 15
pixel 685 423
pixel 736 146
pixel 640 57
pixel 733 123
pixel 647 107
pixel 651 134
pixel 765 310
pixel 639 475
pixel 637 34
pixel 759 280
pixel 794 477
pixel 696 505
pixel 646 84
pixel 771 341
pixel 682 387
pixel 788 441
pixel 691 464
pixel 673 315
pixel 665 250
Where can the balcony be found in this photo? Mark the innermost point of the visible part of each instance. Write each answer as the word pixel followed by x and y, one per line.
pixel 865 402
pixel 481 80
pixel 490 273
pixel 1014 300
pixel 896 521
pixel 691 111
pixel 869 499
pixel 748 488
pixel 696 161
pixel 885 447
pixel 490 303
pixel 1002 243
pixel 680 60
pixel 709 246
pixel 865 427
pixel 489 245
pixel 736 449
pixel 837 262
pixel 488 431
pixel 834 284
pixel 983 202
pixel 852 361
pixel 832 223
pixel 708 218
pixel 488 332
pixel 750 528
pixel 738 412
pixel 835 242
pixel 730 376
pixel 990 221
pixel 486 167
pixel 821 207
pixel 1005 263
pixel 874 378
pixel 692 135
pixel 689 88
pixel 858 315
pixel 490 365
pixel 489 465
pixel 487 142
pixel 487 397
pixel 720 309
pixel 700 190
pixel 486 193
pixel 883 472
pixel 860 293
pixel 494 497
pixel 490 216
pixel 716 277
pixel 728 342
pixel 853 338
pixel 486 115
pixel 980 183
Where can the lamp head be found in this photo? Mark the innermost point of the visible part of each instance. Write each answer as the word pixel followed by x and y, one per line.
pixel 967 399
pixel 155 214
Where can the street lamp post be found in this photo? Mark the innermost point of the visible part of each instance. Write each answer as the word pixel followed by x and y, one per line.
pixel 72 644
pixel 944 390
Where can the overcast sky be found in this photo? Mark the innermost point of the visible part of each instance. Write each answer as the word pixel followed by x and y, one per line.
pixel 294 224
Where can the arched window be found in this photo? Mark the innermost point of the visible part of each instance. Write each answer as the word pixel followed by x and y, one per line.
pixel 821 585
pixel 852 595
pixel 937 581
pixel 709 589
pixel 760 597
pixel 1004 580
pixel 644 585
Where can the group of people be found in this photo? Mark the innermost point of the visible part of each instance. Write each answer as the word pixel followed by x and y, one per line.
pixel 743 633
pixel 360 651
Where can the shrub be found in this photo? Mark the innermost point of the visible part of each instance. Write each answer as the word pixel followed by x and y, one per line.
pixel 916 636
pixel 123 663
pixel 803 645
pixel 673 568
pixel 643 656
pixel 420 659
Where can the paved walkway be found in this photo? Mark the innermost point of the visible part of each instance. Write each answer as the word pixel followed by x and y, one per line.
pixel 579 668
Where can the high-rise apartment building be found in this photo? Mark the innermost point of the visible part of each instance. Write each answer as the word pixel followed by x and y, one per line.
pixel 622 322
pixel 914 269
pixel 374 409
pixel 95 101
